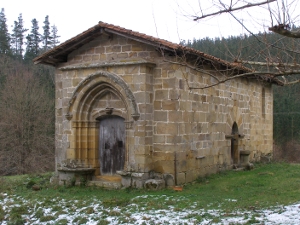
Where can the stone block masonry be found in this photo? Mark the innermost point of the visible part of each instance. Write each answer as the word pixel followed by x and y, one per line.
pixel 170 129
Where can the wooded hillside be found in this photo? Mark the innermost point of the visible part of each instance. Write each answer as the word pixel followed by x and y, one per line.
pixel 26 98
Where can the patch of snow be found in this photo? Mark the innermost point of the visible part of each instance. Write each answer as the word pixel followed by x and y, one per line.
pixel 134 214
pixel 231 200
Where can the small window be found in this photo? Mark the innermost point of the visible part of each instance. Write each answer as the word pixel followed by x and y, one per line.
pixel 263 102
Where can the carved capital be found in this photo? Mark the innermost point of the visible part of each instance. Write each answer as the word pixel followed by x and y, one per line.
pixel 69 116
pixel 108 110
pixel 128 124
pixel 135 116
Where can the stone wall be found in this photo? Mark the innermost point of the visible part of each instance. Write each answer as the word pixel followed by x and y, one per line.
pixel 194 123
pixel 170 129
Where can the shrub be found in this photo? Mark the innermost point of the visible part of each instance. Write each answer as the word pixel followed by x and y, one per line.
pixel 288 152
pixel 26 124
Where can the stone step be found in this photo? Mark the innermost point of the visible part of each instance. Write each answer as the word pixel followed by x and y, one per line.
pixel 239 169
pixel 114 178
pixel 108 182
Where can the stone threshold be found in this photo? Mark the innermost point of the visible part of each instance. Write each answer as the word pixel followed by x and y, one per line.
pixel 107 182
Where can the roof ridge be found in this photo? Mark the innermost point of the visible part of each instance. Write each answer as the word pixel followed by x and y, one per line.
pixel 170 44
pixel 60 52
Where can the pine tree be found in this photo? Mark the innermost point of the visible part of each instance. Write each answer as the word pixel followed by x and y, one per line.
pixel 54 36
pixel 33 42
pixel 29 54
pixel 47 38
pixel 17 37
pixel 4 35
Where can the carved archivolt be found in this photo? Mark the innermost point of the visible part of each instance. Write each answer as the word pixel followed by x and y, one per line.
pixel 91 88
pixel 99 95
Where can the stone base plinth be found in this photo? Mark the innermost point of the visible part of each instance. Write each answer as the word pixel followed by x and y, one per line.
pixel 74 176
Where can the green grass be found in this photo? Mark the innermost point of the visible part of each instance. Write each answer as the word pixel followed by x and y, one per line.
pixel 2 213
pixel 265 186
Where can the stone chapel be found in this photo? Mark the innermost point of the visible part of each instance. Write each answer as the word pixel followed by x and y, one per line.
pixel 133 110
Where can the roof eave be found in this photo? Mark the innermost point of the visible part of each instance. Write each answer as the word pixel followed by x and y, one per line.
pixel 61 51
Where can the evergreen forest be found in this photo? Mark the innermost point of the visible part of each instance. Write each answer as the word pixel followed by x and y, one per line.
pixel 26 97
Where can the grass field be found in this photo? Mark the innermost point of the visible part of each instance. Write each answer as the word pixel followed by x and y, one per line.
pixel 208 199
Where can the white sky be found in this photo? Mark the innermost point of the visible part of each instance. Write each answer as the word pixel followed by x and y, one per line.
pixel 165 19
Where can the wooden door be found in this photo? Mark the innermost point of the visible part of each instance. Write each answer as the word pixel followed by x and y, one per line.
pixel 111 145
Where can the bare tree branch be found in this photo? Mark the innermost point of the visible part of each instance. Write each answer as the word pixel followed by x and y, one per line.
pixel 230 78
pixel 232 9
pixel 292 82
pixel 282 30
pixel 274 75
pixel 286 73
pixel 273 64
pixel 194 68
pixel 271 45
pixel 223 78
pixel 274 69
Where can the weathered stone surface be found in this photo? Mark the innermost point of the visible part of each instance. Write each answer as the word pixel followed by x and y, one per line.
pixel 266 158
pixel 126 181
pixel 169 180
pixel 190 176
pixel 181 178
pixel 154 184
pixel 105 184
pixel 137 182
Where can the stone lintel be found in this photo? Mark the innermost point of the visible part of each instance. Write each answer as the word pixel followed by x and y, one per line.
pixel 124 62
pixel 85 124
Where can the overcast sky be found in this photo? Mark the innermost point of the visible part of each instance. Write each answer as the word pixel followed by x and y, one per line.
pixel 167 19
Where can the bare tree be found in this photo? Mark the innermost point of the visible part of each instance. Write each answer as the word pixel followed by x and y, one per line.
pixel 282 18
pixel 26 124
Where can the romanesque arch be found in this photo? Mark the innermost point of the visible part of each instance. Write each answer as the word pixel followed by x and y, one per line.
pixel 100 81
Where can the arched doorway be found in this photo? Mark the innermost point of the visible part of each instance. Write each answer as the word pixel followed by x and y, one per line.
pixel 97 98
pixel 111 144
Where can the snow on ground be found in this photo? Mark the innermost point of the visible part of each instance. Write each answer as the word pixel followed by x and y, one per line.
pixel 60 211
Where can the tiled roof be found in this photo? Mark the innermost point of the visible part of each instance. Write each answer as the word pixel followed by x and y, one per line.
pixel 59 53
pixel 165 44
